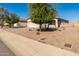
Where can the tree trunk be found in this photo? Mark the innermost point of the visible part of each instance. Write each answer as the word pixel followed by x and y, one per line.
pixel 45 27
pixel 10 25
pixel 1 25
pixel 40 25
pixel 48 26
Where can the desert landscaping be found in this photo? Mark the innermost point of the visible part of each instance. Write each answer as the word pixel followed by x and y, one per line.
pixel 46 30
pixel 64 39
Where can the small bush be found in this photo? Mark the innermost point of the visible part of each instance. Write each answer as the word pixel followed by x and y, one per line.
pixel 38 33
pixel 30 29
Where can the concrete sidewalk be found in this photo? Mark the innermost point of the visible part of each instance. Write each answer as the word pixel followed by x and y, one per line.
pixel 23 46
pixel 4 50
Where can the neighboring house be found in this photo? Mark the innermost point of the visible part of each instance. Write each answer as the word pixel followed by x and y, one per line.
pixel 58 21
pixel 22 23
pixel 30 24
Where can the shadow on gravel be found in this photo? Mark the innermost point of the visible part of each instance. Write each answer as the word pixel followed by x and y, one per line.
pixel 48 30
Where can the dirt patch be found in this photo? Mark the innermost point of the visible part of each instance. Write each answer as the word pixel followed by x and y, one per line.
pixel 56 38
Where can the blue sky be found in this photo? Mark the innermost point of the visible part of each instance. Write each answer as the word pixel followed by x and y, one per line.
pixel 69 11
pixel 21 9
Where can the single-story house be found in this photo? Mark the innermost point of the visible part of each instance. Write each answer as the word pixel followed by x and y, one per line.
pixel 55 23
pixel 23 22
pixel 28 23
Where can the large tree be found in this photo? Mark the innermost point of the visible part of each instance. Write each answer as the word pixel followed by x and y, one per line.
pixel 42 13
pixel 13 18
pixel 10 19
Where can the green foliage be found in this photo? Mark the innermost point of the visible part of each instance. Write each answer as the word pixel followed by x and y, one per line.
pixel 42 11
pixel 11 19
pixel 14 18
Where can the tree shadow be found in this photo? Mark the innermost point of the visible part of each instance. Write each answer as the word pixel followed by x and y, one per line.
pixel 47 30
pixel 19 27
